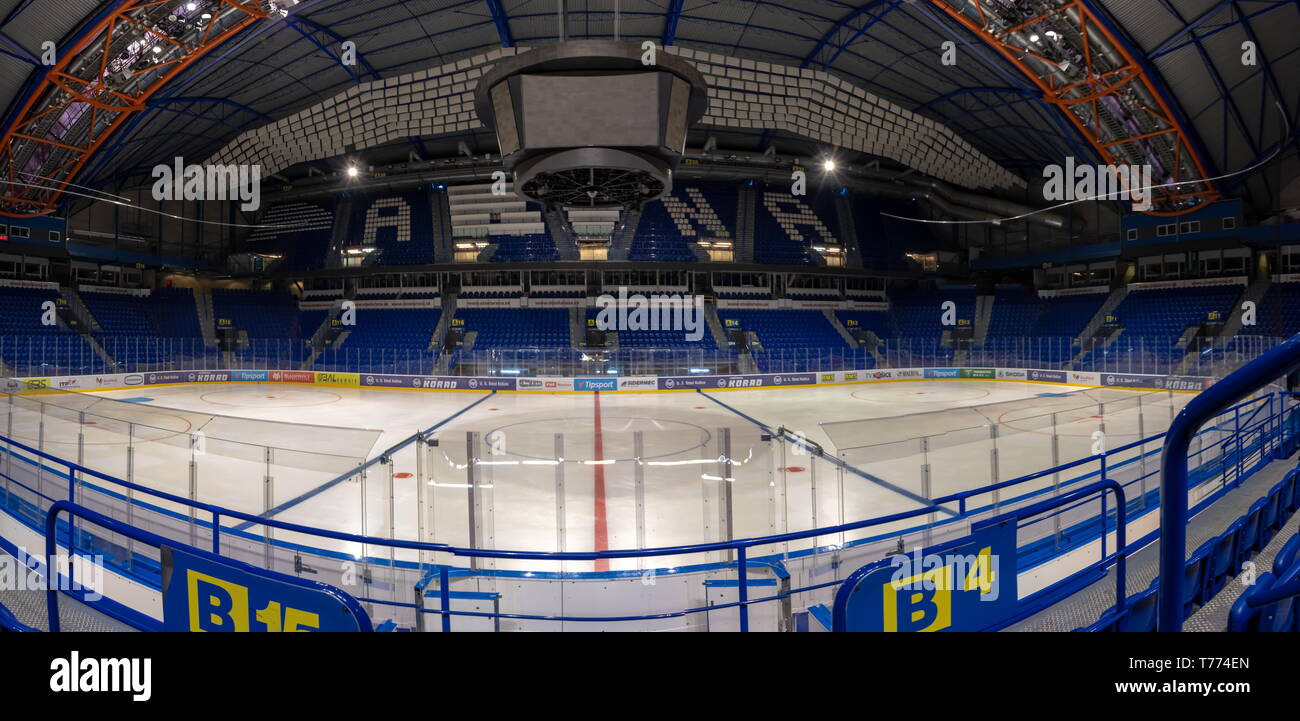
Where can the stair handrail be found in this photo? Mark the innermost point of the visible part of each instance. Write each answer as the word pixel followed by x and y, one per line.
pixel 1251 377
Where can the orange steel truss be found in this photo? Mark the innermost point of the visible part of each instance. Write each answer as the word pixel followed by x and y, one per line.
pixel 80 83
pixel 1114 74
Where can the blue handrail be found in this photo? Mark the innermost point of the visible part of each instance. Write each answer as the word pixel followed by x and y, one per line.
pixel 839 622
pixel 1256 374
pixel 81 473
pixel 153 539
pixel 219 512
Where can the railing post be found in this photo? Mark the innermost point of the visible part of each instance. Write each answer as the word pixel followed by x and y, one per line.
pixel 72 526
pixel 444 598
pixel 1056 484
pixel 1103 505
pixel 130 494
pixel 744 590
pixel 1236 435
pixel 994 473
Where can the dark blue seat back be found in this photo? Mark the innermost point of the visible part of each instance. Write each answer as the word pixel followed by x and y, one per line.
pixel 1287 557
pixel 1222 559
pixel 1280 617
pixel 1140 616
pixel 1290 492
pixel 1193 578
pixel 1242 617
pixel 1268 521
pixel 1248 539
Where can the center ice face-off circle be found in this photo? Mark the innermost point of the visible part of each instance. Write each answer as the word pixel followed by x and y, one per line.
pixel 663 438
pixel 920 392
pixel 269 397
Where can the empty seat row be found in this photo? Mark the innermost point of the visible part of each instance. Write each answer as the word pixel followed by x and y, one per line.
pixel 1215 562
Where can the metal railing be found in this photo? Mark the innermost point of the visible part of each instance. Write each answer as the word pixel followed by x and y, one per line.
pixel 1247 446
pixel 1277 363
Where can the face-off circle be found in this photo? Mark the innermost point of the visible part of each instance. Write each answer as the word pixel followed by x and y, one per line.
pixel 272 397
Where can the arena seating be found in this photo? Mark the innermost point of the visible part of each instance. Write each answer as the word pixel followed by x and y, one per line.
pixel 309 321
pixel 1215 562
pixel 791 340
pixel 1153 321
pixel 690 213
pixel 1026 327
pixel 31 348
pixel 665 339
pixel 400 328
pixel 882 241
pixel 262 314
pixel 174 313
pixel 1277 313
pixel 126 331
pixel 302 236
pixel 524 248
pixel 918 314
pixel 877 321
pixel 787 226
pixel 516 328
pixel 399 225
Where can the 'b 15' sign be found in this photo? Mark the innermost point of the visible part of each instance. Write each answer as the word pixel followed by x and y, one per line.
pixel 210 594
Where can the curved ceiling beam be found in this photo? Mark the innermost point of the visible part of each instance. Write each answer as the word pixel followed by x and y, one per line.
pixel 1098 84
pixel 295 20
pixel 157 102
pixel 97 85
pixel 502 22
pixel 17 51
pixel 845 32
pixel 671 19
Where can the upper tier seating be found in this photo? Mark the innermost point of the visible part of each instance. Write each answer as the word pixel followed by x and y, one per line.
pixel 524 248
pixel 300 232
pixel 399 225
pixel 882 241
pixel 689 213
pixel 787 226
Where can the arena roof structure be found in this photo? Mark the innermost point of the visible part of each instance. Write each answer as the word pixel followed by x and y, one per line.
pixel 1194 87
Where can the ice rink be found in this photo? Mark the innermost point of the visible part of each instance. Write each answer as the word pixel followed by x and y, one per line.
pixel 585 471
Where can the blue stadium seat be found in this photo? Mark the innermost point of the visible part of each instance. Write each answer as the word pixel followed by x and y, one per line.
pixel 786 227
pixel 689 213
pixel 1220 567
pixel 299 231
pixel 1153 321
pixel 1289 554
pixel 1140 612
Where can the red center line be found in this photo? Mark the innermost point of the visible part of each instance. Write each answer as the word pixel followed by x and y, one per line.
pixel 602 525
